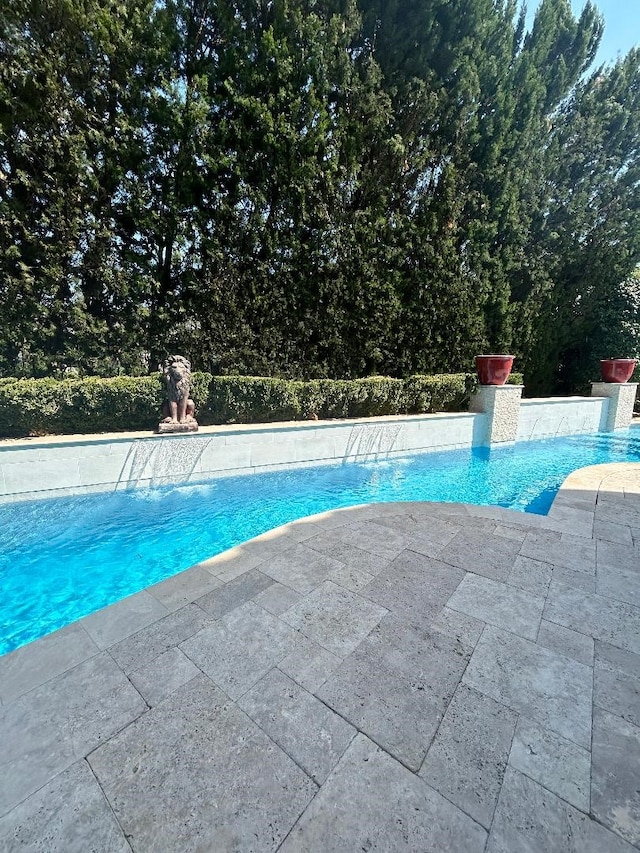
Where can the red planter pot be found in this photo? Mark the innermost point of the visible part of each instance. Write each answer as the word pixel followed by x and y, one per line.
pixel 493 369
pixel 617 369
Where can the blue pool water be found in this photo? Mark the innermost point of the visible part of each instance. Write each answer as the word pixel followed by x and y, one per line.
pixel 63 558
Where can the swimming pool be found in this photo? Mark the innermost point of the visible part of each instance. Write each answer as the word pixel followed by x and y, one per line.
pixel 63 558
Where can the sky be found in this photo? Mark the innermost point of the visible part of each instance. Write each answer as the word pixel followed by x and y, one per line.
pixel 622 25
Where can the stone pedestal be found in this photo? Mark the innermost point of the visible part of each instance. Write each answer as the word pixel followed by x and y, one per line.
pixel 621 396
pixel 501 404
pixel 170 428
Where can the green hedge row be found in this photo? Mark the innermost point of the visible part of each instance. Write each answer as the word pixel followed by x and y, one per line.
pixel 92 405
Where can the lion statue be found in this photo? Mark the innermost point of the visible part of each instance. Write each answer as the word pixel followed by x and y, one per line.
pixel 177 375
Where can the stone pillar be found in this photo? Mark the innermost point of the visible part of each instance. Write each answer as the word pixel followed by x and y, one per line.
pixel 501 404
pixel 621 396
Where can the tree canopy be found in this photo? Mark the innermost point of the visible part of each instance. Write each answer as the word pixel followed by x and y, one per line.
pixel 315 188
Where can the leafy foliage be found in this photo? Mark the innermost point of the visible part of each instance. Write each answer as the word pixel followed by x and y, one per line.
pixel 300 189
pixel 93 404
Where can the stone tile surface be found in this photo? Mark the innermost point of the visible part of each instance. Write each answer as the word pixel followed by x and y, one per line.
pixel 120 620
pixel 46 730
pixel 622 584
pixel 234 593
pixel 468 757
pixel 530 819
pixel 277 598
pixel 396 687
pixel 38 662
pixel 373 537
pixel 146 645
pixel 237 650
pixel 612 532
pixel 350 556
pixel 355 634
pixel 617 660
pixel 465 629
pixel 414 586
pixel 603 618
pixel 183 588
pixel 335 618
pixel 350 578
pixel 551 689
pixel 573 552
pixel 617 692
pixel 615 793
pixel 313 735
pixel 559 765
pixel 68 814
pixel 498 604
pixel 530 575
pixel 309 664
pixel 301 568
pixel 184 778
pixel 617 556
pixel 165 674
pixel 578 580
pixel 566 642
pixel 490 556
pixel 370 802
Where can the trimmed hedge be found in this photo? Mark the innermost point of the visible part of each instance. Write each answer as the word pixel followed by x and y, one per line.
pixel 93 404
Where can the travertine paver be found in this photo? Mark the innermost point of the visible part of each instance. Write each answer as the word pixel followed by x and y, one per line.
pixel 277 598
pixel 335 618
pixel 558 764
pixel 621 584
pixel 20 671
pixel 69 813
pixel 414 587
pixel 396 686
pixel 237 650
pixel 468 757
pixel 615 794
pixel 301 568
pixel 143 647
pixel 498 604
pixel 566 642
pixel 603 618
pixel 122 619
pixel 571 553
pixel 234 593
pixel 348 555
pixel 400 691
pixel 530 819
pixel 184 587
pixel 164 675
pixel 195 773
pixel 313 735
pixel 309 664
pixel 465 629
pixel 553 690
pixel 46 730
pixel 530 575
pixel 370 802
pixel 616 686
pixel 473 551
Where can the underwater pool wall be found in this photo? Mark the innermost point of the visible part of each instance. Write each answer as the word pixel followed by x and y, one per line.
pixel 62 465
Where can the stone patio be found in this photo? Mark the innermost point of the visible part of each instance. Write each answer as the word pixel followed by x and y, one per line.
pixel 417 677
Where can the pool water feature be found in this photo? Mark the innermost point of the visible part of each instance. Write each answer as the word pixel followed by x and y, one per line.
pixel 63 558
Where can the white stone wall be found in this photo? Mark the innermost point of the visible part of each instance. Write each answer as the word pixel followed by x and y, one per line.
pixel 621 396
pixel 550 417
pixel 501 403
pixel 40 468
